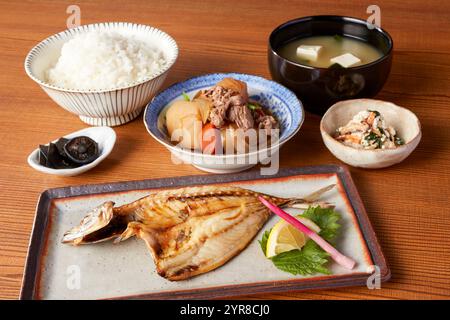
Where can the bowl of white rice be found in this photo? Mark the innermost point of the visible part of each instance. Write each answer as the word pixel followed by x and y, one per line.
pixel 105 73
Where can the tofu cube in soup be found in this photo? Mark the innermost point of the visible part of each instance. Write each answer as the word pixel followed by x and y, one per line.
pixel 346 60
pixel 310 53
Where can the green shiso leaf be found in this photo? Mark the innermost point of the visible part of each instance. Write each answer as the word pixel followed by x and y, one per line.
pixel 327 219
pixel 263 241
pixel 311 259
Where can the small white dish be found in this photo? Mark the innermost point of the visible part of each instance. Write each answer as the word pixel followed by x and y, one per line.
pixel 105 138
pixel 401 119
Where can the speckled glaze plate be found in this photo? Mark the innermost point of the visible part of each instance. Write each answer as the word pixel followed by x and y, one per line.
pixel 126 270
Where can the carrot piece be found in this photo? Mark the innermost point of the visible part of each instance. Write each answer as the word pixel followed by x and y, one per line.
pixel 210 139
pixel 371 118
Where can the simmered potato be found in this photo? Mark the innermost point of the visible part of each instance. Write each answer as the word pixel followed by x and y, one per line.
pixel 184 121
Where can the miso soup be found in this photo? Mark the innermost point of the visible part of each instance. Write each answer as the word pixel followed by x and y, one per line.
pixel 325 51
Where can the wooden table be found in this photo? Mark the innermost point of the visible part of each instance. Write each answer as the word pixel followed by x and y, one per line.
pixel 408 204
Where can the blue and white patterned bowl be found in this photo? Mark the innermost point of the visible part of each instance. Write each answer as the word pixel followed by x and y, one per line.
pixel 279 100
pixel 109 106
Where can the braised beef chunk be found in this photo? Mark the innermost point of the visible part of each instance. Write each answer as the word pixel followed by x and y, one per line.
pixel 220 98
pixel 229 105
pixel 238 100
pixel 217 116
pixel 241 115
pixel 267 122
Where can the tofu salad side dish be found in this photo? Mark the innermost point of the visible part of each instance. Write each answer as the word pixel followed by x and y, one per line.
pixel 368 130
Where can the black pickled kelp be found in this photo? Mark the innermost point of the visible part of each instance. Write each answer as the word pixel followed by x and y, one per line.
pixel 50 157
pixel 81 150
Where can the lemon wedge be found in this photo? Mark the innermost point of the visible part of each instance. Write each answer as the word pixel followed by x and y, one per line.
pixel 285 237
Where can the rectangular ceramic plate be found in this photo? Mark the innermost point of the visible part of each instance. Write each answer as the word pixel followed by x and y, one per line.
pixel 126 270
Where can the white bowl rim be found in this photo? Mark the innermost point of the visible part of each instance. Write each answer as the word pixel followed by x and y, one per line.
pixel 35 165
pixel 30 57
pixel 225 156
pixel 335 106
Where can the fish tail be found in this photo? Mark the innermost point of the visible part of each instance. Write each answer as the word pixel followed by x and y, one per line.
pixel 311 199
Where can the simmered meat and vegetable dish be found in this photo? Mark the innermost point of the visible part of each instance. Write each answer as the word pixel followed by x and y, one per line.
pixel 211 120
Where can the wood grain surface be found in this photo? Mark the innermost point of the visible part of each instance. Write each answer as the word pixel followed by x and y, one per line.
pixel 408 204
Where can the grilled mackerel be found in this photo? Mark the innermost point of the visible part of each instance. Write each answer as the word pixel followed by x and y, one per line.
pixel 189 231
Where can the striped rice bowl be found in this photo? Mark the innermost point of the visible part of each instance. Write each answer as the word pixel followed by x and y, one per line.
pixel 110 106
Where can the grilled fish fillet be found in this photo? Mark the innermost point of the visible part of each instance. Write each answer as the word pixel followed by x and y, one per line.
pixel 189 231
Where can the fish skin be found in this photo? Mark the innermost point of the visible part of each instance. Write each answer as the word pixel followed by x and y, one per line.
pixel 188 231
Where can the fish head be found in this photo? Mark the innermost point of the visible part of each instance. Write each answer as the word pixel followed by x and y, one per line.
pixel 98 225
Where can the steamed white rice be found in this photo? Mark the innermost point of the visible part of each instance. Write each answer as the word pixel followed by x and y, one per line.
pixel 104 60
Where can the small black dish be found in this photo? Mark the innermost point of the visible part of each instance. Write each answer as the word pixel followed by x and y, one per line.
pixel 319 88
